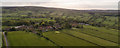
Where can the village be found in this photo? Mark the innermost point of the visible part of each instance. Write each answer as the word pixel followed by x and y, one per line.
pixel 31 28
pixel 44 26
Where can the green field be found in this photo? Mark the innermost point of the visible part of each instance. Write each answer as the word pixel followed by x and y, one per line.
pixel 90 38
pixel 66 40
pixel 21 38
pixel 0 39
pixel 107 34
pixel 103 30
pixel 100 38
pixel 44 26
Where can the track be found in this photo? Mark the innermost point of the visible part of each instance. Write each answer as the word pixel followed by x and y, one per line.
pixel 5 39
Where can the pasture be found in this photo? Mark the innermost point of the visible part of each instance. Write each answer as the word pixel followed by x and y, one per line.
pixel 0 39
pixel 66 40
pixel 90 38
pixel 22 38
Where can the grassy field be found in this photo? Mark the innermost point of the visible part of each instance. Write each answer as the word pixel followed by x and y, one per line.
pixel 102 29
pixel 93 35
pixel 89 27
pixel 38 19
pixel 21 38
pixel 92 39
pixel 66 40
pixel 0 39
pixel 110 20
pixel 107 34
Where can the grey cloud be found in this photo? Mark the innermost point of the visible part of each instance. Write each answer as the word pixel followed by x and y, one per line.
pixel 77 4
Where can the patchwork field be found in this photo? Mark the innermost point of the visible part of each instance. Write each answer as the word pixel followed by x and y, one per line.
pixel 0 39
pixel 66 40
pixel 67 37
pixel 95 36
pixel 22 38
pixel 44 26
pixel 90 38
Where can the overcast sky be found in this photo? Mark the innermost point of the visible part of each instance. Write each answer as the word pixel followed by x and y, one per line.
pixel 70 4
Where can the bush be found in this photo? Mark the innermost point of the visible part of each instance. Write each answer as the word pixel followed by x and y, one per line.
pixel 12 29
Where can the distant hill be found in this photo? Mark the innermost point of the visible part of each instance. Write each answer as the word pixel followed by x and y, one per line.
pixel 93 17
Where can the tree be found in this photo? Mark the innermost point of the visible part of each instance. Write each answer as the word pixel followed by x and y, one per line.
pixel 29 14
pixel 13 29
pixel 79 26
pixel 6 33
pixel 66 25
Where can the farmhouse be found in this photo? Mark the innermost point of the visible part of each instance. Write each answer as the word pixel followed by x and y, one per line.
pixel 74 24
pixel 83 24
pixel 45 28
pixel 22 27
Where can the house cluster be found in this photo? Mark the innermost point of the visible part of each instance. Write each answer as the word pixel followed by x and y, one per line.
pixel 49 28
pixel 45 28
pixel 74 24
pixel 83 24
pixel 31 28
pixel 22 27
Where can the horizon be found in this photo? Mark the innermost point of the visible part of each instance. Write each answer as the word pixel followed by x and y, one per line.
pixel 67 4
pixel 58 8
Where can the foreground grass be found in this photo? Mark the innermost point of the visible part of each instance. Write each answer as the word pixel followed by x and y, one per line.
pixel 108 34
pixel 0 39
pixel 98 35
pixel 66 40
pixel 90 38
pixel 22 38
pixel 102 29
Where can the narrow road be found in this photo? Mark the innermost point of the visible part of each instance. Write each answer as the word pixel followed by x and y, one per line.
pixel 5 39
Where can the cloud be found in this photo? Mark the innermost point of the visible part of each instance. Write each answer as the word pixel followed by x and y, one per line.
pixel 70 4
pixel 25 0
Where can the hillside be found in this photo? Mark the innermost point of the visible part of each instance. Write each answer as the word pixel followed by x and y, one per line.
pixel 59 27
